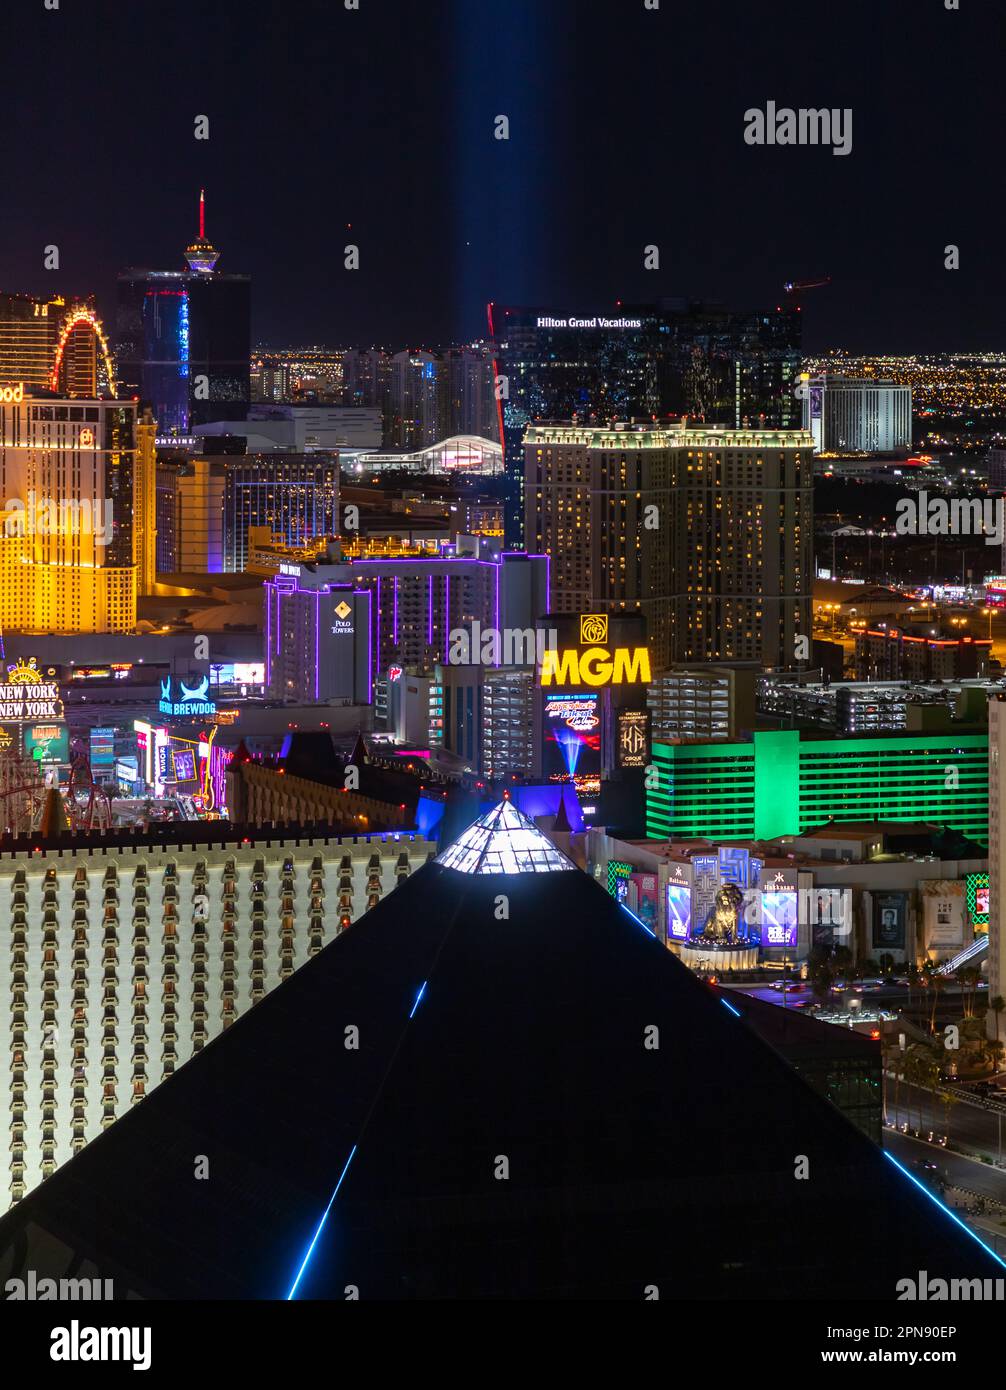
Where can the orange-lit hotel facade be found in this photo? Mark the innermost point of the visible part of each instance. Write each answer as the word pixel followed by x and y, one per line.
pixel 76 476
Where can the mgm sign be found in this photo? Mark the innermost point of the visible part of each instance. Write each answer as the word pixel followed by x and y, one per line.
pixel 595 662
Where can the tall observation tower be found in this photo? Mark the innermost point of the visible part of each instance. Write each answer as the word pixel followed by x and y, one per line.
pixel 184 339
pixel 202 255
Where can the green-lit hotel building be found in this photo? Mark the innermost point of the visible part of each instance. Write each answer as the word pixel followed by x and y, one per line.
pixel 786 782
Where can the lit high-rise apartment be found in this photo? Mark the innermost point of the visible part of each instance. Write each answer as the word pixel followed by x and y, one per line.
pixel 365 375
pixel 849 416
pixel 473 408
pixel 417 400
pixel 706 532
pixel 645 363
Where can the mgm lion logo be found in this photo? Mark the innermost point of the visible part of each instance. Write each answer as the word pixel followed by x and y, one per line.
pixel 594 629
pixel 721 925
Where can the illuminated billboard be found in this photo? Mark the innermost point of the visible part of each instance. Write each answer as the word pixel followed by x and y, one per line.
pixel 830 915
pixel 595 661
pixel 183 762
pixel 779 917
pixel 646 896
pixel 25 694
pixel 889 916
pixel 679 911
pixel 180 698
pixel 102 743
pixel 633 738
pixel 572 739
pixel 596 666
pixel 619 875
pixel 48 744
pixel 976 888
pixel 230 673
pixel 943 913
pixel 599 321
pixel 126 775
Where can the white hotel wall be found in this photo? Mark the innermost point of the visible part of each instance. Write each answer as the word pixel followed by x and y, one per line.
pixel 88 1028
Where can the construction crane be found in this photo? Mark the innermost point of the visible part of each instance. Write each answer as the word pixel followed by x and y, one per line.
pixel 798 286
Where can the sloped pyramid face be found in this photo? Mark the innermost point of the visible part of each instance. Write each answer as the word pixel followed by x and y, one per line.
pixel 491 1086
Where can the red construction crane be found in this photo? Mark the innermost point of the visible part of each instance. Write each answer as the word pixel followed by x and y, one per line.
pixel 797 286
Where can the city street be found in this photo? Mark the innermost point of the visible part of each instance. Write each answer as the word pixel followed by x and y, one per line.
pixel 965 1176
pixel 969 1124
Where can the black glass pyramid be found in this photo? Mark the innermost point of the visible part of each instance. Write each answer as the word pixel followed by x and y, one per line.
pixel 493 1085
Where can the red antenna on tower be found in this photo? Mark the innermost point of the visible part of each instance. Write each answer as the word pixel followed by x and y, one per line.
pixel 202 214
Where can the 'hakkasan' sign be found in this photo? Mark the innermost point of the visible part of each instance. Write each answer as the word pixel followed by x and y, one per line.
pixel 26 696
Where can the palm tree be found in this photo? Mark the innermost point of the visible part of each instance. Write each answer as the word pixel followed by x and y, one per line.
pixel 936 983
pixel 976 979
pixel 912 1069
pixel 923 1071
pixel 894 1060
pixel 961 980
pixel 820 972
pixel 924 978
pixel 968 977
pixel 820 982
pixel 949 1099
pixel 973 1030
pixel 932 1075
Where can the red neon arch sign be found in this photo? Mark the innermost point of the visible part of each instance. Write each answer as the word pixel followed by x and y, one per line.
pixel 78 317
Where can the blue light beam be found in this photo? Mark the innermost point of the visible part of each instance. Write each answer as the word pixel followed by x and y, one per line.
pixel 572 746
pixel 638 920
pixel 321 1223
pixel 944 1208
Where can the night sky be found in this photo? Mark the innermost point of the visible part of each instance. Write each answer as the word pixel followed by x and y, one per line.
pixel 626 129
